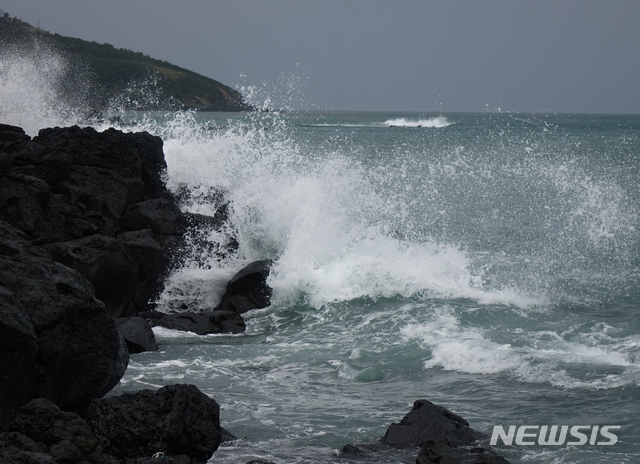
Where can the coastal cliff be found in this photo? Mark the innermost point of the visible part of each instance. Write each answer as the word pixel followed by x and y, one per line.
pixel 120 76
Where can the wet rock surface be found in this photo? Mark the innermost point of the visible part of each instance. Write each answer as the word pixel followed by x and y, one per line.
pixel 248 288
pixel 175 420
pixel 97 202
pixel 441 436
pixel 177 424
pixel 56 339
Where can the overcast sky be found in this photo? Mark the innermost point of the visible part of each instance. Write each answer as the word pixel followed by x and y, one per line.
pixel 426 56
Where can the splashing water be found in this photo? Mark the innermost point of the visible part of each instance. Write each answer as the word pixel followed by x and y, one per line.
pixel 38 88
pixel 488 265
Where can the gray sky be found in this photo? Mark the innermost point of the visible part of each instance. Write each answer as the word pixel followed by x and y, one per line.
pixel 440 56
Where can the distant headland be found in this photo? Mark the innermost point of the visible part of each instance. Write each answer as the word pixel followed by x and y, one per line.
pixel 116 72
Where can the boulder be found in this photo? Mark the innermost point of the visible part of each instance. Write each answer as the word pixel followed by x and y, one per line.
pixel 214 322
pixel 443 437
pixel 12 133
pixel 68 349
pixel 43 433
pixel 427 421
pixel 178 424
pixel 248 289
pixel 175 420
pixel 137 333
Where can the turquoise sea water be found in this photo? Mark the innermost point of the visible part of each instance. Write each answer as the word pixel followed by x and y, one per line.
pixel 486 262
pixel 489 263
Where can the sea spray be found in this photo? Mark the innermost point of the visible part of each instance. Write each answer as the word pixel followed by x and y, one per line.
pixel 489 266
pixel 40 88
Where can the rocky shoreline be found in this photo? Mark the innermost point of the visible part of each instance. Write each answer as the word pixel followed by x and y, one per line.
pixel 88 233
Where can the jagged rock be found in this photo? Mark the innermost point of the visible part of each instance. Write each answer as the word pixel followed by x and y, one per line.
pixel 103 261
pixel 161 215
pixel 79 354
pixel 43 433
pixel 15 448
pixel 137 333
pixel 175 420
pixel 427 421
pixel 215 322
pixel 248 289
pixel 178 422
pixel 444 437
pixel 10 134
pixel 80 193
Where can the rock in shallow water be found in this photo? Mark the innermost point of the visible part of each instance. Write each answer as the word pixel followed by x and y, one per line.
pixel 427 421
pixel 248 289
pixel 442 436
pixel 137 333
pixel 214 322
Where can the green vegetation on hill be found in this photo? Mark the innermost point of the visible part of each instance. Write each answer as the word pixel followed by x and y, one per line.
pixel 117 73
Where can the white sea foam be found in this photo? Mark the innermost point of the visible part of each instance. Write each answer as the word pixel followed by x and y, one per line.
pixel 318 215
pixel 540 356
pixel 437 122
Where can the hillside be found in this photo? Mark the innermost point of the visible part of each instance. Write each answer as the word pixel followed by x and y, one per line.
pixel 114 72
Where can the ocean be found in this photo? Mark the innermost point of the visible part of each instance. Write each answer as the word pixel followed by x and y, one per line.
pixel 486 262
pixel 489 263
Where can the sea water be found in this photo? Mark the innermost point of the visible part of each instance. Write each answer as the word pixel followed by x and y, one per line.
pixel 486 262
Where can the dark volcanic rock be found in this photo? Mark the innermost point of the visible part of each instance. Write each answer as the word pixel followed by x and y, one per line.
pixel 78 354
pixel 84 195
pixel 444 437
pixel 153 263
pixel 103 261
pixel 10 134
pixel 427 421
pixel 248 289
pixel 18 350
pixel 137 333
pixel 161 215
pixel 175 420
pixel 217 321
pixel 441 453
pixel 44 433
pixel 227 437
